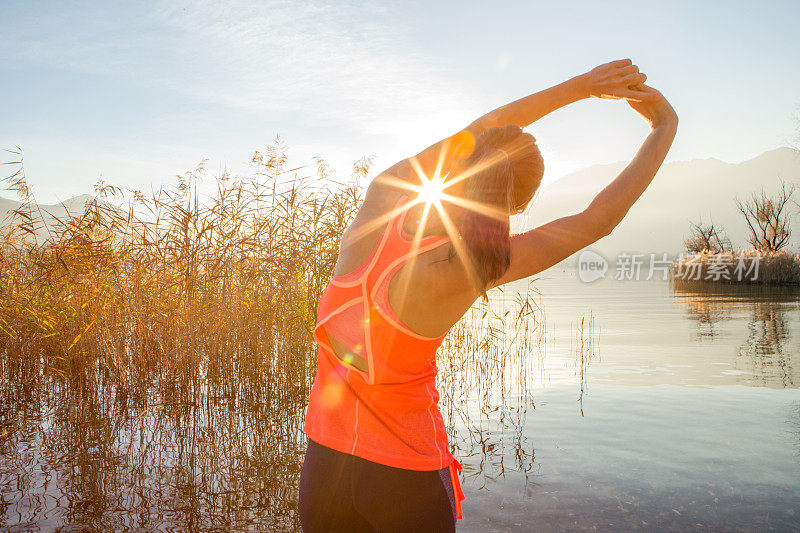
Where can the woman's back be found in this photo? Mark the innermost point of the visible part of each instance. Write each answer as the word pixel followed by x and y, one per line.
pixel 375 396
pixel 430 292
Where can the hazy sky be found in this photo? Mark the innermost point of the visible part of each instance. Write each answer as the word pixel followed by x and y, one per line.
pixel 137 92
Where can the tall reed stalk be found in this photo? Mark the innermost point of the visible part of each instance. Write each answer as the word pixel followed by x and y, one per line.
pixel 175 284
pixel 156 351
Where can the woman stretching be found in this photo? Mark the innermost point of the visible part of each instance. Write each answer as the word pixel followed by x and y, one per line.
pixel 431 237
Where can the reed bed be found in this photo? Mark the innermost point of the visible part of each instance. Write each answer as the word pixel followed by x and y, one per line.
pixel 136 321
pixel 156 351
pixel 176 284
pixel 738 266
pixel 488 364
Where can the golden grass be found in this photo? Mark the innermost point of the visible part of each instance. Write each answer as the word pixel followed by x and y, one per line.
pixel 161 347
pixel 174 281
pixel 738 266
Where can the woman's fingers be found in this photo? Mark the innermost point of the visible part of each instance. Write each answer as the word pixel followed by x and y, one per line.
pixel 634 79
pixel 632 96
pixel 620 79
pixel 646 88
pixel 640 93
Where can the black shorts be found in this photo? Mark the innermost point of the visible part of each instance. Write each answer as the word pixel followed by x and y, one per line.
pixel 342 492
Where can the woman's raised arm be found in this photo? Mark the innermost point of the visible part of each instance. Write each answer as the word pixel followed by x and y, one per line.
pixel 544 246
pixel 616 79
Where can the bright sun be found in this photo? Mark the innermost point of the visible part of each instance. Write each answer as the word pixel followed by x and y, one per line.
pixel 432 190
pixel 431 193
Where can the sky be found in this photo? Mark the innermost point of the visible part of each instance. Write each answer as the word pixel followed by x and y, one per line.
pixel 136 92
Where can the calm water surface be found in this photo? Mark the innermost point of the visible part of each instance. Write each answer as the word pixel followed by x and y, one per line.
pixel 643 407
pixel 687 416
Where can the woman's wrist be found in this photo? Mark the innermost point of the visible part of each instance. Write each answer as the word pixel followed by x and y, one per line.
pixel 667 127
pixel 579 86
pixel 667 120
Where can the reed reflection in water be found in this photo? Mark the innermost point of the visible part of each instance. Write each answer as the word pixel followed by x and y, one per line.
pixel 222 448
pixel 764 354
pixel 575 419
pixel 208 454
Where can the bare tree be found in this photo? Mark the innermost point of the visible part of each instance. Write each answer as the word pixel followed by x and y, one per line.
pixel 706 237
pixel 768 218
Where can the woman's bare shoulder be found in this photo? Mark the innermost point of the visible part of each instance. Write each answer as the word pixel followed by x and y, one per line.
pixel 385 189
pixel 374 212
pixel 371 219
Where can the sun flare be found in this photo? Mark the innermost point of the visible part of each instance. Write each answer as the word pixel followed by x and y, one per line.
pixel 432 190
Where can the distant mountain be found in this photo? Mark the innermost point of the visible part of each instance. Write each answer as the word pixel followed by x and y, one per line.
pixel 50 213
pixel 682 191
pixel 6 206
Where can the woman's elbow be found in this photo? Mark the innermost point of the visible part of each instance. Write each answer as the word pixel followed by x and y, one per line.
pixel 600 224
pixel 605 228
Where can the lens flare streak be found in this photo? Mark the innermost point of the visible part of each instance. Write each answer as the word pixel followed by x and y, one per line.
pixel 431 192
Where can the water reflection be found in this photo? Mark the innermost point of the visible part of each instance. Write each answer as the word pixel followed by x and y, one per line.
pixel 220 445
pixel 766 355
pixel 220 448
pixel 193 457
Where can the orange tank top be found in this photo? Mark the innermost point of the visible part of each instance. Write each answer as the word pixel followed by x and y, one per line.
pixel 389 414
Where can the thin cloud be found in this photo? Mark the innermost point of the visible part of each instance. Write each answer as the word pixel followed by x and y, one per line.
pixel 303 61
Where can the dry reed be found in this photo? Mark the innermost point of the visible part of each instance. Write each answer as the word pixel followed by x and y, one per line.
pixel 738 266
pixel 138 321
pixel 156 351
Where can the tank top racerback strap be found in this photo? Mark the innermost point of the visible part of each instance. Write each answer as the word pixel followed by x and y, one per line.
pixel 395 237
pixel 368 285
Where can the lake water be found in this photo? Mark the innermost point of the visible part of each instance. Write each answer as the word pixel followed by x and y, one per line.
pixel 687 416
pixel 641 407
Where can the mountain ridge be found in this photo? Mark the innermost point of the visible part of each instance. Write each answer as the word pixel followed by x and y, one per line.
pixel 682 191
